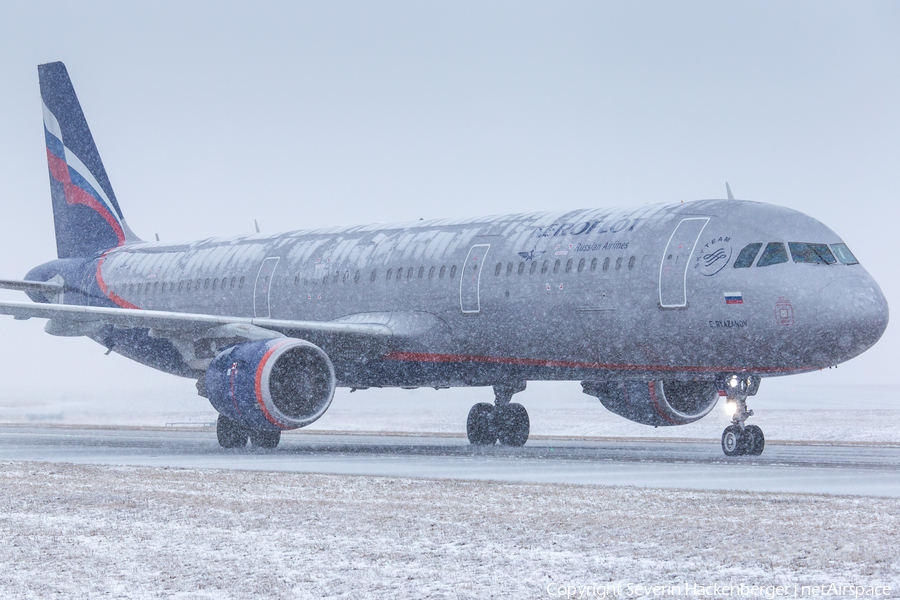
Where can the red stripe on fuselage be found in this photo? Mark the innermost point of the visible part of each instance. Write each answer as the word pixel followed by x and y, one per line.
pixel 59 169
pixel 103 287
pixel 568 364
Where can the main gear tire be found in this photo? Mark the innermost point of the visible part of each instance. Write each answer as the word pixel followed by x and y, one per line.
pixel 513 425
pixel 480 426
pixel 230 434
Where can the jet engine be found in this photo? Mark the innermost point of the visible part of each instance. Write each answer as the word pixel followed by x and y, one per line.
pixel 271 385
pixel 661 402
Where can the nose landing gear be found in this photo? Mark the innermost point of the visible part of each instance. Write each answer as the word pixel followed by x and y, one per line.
pixel 504 420
pixel 740 439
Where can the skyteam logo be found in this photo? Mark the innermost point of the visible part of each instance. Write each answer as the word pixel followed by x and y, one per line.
pixel 712 257
pixel 80 187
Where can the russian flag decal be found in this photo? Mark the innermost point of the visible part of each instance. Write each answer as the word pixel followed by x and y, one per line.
pixel 734 298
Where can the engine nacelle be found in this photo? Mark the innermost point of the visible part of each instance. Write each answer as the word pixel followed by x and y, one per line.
pixel 656 402
pixel 271 385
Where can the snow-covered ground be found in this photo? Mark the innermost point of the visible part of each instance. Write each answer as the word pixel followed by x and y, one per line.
pixel 79 531
pixel 790 408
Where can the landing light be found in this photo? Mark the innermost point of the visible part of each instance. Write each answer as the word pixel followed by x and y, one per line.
pixel 730 408
pixel 733 382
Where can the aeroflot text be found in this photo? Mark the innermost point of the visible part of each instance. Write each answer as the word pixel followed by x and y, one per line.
pixel 611 590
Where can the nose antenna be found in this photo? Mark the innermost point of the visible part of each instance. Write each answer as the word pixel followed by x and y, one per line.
pixel 728 189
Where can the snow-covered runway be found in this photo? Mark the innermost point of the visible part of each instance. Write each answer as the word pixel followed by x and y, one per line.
pixel 858 469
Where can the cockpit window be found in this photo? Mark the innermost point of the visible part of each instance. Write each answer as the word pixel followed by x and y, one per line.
pixel 746 256
pixel 774 254
pixel 804 252
pixel 844 255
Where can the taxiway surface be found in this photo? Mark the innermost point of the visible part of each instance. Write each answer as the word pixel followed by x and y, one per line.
pixel 857 469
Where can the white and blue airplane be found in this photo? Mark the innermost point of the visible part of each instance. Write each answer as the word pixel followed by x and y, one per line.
pixel 658 310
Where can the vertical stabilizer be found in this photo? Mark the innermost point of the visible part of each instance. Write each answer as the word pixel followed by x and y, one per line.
pixel 85 211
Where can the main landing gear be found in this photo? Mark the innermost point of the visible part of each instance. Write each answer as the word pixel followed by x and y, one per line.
pixel 232 435
pixel 739 439
pixel 503 420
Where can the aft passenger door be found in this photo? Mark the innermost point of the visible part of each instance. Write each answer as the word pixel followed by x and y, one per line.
pixel 673 270
pixel 470 280
pixel 263 288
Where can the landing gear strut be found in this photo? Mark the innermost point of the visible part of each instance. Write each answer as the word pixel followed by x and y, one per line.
pixel 739 439
pixel 504 420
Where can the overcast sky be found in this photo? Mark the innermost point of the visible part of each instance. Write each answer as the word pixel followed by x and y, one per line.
pixel 209 115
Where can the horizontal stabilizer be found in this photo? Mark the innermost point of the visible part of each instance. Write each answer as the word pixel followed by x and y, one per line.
pixel 40 287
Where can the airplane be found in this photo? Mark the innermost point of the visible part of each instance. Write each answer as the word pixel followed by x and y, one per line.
pixel 658 310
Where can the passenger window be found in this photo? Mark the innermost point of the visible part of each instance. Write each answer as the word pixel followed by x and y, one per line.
pixel 410 273
pixel 346 275
pixel 421 272
pixel 139 288
pixel 232 282
pixel 389 274
pixel 337 275
pixel 803 252
pixel 556 266
pixel 497 270
pixel 545 266
pixel 215 282
pixel 241 283
pixel 206 284
pixel 533 268
pixel 324 279
pixel 188 288
pixel 631 263
pixel 453 271
pixel 356 277
pixel 296 279
pixel 521 267
pixel 373 275
pixel 581 265
pixel 844 255
pixel 569 266
pixel 773 254
pixel 509 269
pixel 594 265
pixel 181 285
pixel 431 273
pixel 441 274
pixel 618 263
pixel 746 256
pixel 606 264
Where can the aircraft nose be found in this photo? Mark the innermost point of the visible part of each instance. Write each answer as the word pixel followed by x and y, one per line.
pixel 853 315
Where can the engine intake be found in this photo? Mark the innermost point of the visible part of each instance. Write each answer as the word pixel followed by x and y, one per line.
pixel 657 402
pixel 275 384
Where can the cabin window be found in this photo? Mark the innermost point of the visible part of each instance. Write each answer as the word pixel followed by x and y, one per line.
pixel 139 288
pixel 453 271
pixel 594 265
pixel 581 265
pixel 569 266
pixel 773 254
pixel 296 280
pixel 498 269
pixel 606 264
pixel 399 273
pixel 241 283
pixel 356 277
pixel 545 266
pixel 215 282
pixel 188 287
pixel 509 268
pixel 431 273
pixel 232 281
pixel 421 273
pixel 181 285
pixel 206 284
pixel 618 263
pixel 844 255
pixel 390 273
pixel 521 267
pixel 155 286
pixel 373 275
pixel 818 254
pixel 346 275
pixel 197 285
pixel 325 280
pixel 631 263
pixel 337 275
pixel 556 266
pixel 441 275
pixel 747 255
pixel 533 268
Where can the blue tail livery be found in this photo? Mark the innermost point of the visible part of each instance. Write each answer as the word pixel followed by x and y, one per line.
pixel 85 211
pixel 625 300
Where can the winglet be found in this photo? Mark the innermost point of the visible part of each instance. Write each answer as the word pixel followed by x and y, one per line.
pixel 728 189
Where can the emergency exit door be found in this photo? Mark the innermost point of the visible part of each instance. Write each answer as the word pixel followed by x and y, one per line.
pixel 470 281
pixel 263 288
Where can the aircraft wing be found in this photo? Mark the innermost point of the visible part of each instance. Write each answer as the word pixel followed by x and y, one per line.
pixel 41 287
pixel 184 323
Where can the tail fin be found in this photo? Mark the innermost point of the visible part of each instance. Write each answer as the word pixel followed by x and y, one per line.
pixel 85 211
